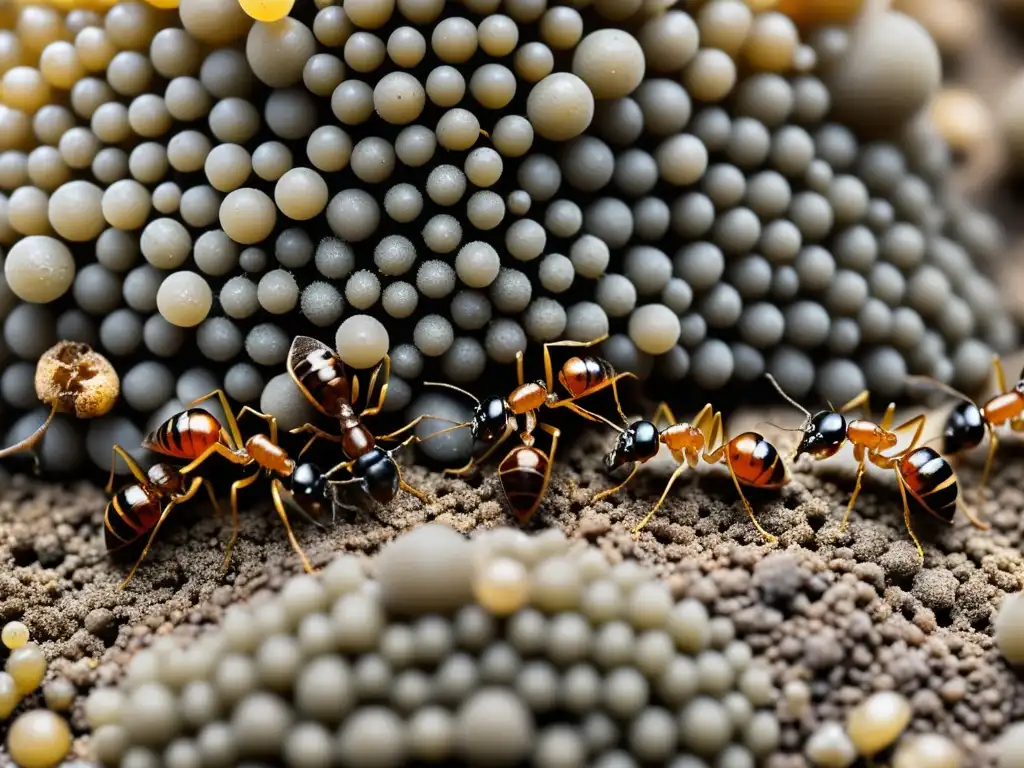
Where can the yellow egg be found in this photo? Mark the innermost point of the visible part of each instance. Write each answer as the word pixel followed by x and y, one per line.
pixel 14 634
pixel 39 739
pixel 502 586
pixel 267 10
pixel 878 721
pixel 164 4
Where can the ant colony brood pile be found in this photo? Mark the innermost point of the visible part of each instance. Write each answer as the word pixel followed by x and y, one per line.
pixel 495 651
pixel 454 181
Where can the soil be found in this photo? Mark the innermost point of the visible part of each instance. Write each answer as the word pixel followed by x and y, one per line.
pixel 848 612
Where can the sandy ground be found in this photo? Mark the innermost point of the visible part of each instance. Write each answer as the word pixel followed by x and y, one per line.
pixel 849 613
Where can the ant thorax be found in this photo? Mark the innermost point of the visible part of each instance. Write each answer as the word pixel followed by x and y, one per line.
pixel 528 397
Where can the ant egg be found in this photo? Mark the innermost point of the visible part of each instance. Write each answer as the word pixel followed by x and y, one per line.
pixel 83 382
pixel 267 10
pixel 14 635
pixel 39 739
pixel 502 586
pixel 59 694
pixel 9 696
pixel 27 666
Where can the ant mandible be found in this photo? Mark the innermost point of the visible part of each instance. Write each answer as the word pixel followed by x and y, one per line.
pixel 920 470
pixel 750 459
pixel 139 508
pixel 320 375
pixel 967 423
pixel 495 418
pixel 195 435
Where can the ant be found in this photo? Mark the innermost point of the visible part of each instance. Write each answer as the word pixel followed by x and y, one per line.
pixel 495 418
pixel 195 434
pixel 320 375
pixel 920 470
pixel 139 507
pixel 750 459
pixel 967 423
pixel 70 378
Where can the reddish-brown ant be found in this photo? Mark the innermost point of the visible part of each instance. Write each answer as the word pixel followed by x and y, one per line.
pixel 750 459
pixel 320 375
pixel 495 418
pixel 71 378
pixel 920 471
pixel 144 505
pixel 196 435
pixel 967 423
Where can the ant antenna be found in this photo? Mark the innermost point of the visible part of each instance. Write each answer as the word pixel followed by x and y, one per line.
pixel 786 397
pixel 470 395
pixel 777 426
pixel 940 385
pixel 446 429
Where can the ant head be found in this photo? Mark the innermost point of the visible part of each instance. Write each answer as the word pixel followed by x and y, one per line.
pixel 72 378
pixel 490 419
pixel 638 442
pixel 965 427
pixel 308 485
pixel 824 434
pixel 379 474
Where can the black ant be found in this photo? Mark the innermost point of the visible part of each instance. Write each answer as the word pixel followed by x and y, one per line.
pixel 967 423
pixel 495 418
pixel 320 375
pixel 750 459
pixel 920 470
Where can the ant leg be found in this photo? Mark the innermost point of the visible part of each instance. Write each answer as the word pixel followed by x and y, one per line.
pixel 746 504
pixel 509 430
pixel 29 443
pixel 906 514
pixel 664 411
pixel 236 434
pixel 412 424
pixel 612 382
pixel 133 467
pixel 861 466
pixel 345 465
pixel 664 494
pixel 383 388
pixel 997 364
pixel 710 424
pixel 612 491
pixel 888 416
pixel 520 377
pixel 318 434
pixel 588 415
pixel 213 497
pixel 196 483
pixel 917 423
pixel 421 495
pixel 236 486
pixel 221 450
pixel 972 517
pixel 993 444
pixel 271 420
pixel 275 491
pixel 863 400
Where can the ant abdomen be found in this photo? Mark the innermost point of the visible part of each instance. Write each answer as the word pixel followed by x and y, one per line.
pixel 379 474
pixel 965 428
